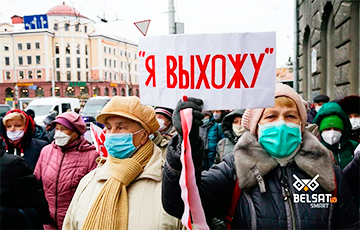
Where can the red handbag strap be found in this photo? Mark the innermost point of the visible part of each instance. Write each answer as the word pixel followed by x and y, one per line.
pixel 235 198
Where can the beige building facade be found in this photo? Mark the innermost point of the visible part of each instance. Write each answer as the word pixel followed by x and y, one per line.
pixel 82 61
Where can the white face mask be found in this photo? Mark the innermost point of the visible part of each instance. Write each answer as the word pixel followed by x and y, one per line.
pixel 15 135
pixel 355 123
pixel 238 129
pixel 216 116
pixel 331 137
pixel 161 123
pixel 61 139
pixel 317 108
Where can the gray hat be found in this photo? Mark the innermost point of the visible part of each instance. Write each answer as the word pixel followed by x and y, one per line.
pixel 49 118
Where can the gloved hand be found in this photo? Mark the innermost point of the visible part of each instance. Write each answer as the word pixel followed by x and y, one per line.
pixel 195 104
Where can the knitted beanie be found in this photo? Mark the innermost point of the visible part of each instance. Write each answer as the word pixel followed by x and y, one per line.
pixel 332 121
pixel 164 111
pixel 131 108
pixel 251 117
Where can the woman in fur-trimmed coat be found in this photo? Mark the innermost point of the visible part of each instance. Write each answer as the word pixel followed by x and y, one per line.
pixel 286 176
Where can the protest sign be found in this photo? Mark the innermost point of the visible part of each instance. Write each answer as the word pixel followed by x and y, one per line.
pixel 227 71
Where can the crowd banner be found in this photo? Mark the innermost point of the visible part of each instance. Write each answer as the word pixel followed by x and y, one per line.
pixel 227 71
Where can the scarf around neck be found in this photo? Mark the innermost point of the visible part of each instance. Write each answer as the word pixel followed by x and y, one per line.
pixel 110 209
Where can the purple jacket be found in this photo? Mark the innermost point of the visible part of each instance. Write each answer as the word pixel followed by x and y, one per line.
pixel 60 171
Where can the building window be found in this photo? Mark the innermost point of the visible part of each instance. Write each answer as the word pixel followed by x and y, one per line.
pixel 86 49
pixel 20 59
pixel 79 76
pixel 38 74
pixel 104 49
pixel 68 76
pixel 125 53
pixel 105 76
pixel 78 62
pixel 87 76
pixel 77 27
pixel 19 46
pixel 135 56
pixel 114 51
pixel 6 47
pixel 110 76
pixel 38 60
pixel 120 52
pixel 29 60
pixel 105 62
pixel 21 74
pixel 122 77
pixel 110 62
pixel 28 46
pixel 77 48
pixel 135 66
pixel 37 45
pixel 87 63
pixel 8 75
pixel 67 25
pixel 67 48
pixel 121 64
pixel 7 61
pixel 85 29
pixel 57 75
pixel 68 65
pixel 30 74
pixel 57 49
pixel 114 63
pixel 129 54
pixel 56 26
pixel 57 62
pixel 109 50
pixel 115 76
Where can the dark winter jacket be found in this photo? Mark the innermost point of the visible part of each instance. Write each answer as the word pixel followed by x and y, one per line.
pixel 277 207
pixel 226 145
pixel 22 204
pixel 50 134
pixel 211 134
pixel 344 150
pixel 311 114
pixel 352 176
pixel 40 133
pixel 29 148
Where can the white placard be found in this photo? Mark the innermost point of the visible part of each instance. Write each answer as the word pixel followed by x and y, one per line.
pixel 227 71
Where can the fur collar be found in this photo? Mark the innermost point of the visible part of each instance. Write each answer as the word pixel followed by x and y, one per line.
pixel 312 157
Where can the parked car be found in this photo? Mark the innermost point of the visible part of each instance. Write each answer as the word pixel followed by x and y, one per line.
pixel 92 108
pixel 4 108
pixel 43 106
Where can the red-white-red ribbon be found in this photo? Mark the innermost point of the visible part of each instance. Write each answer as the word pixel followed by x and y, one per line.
pixel 189 192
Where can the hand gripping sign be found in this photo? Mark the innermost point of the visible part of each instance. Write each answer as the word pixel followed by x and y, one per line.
pixel 227 71
pixel 189 191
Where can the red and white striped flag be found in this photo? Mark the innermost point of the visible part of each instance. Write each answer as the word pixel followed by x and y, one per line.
pixel 98 136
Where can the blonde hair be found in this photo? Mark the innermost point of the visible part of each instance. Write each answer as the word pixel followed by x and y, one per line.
pixel 285 102
pixel 13 116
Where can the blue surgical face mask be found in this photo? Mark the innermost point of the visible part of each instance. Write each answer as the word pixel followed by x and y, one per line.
pixel 120 145
pixel 205 120
pixel 280 139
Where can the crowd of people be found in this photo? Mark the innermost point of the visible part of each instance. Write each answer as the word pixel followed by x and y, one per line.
pixel 253 166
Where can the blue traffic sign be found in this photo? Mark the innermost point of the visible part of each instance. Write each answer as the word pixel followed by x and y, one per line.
pixel 32 22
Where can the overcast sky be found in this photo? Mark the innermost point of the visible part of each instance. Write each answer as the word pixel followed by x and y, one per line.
pixel 199 16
